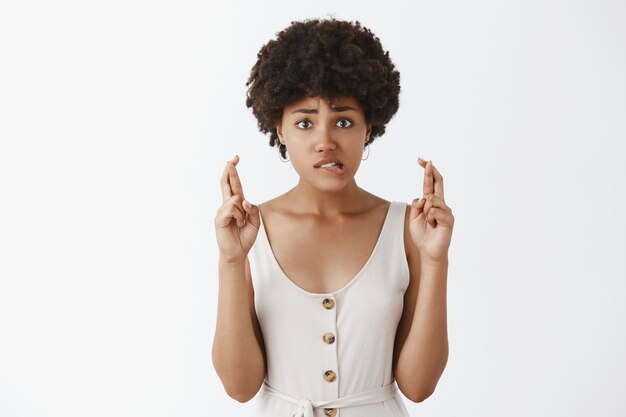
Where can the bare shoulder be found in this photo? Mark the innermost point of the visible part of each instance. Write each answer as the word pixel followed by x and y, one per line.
pixel 375 203
pixel 274 205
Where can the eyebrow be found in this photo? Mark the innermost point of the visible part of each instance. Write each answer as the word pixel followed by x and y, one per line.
pixel 333 109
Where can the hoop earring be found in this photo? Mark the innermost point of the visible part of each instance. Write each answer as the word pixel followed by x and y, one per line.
pixel 368 152
pixel 279 155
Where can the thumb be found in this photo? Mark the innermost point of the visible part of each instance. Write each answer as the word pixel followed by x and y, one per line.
pixel 417 207
pixel 253 213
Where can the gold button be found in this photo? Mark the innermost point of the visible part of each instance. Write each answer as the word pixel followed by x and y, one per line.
pixel 330 412
pixel 329 338
pixel 328 303
pixel 330 376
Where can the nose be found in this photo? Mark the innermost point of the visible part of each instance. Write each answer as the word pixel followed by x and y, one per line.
pixel 324 141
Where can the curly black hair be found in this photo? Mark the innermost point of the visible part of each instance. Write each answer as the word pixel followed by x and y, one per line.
pixel 328 58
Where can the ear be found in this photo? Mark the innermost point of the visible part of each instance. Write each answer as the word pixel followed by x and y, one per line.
pixel 369 132
pixel 279 131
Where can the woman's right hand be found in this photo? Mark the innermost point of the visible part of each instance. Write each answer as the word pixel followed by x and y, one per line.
pixel 236 226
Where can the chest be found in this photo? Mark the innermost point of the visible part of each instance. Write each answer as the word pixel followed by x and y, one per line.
pixel 323 258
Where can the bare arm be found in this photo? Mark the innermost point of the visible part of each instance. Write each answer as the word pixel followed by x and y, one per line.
pixel 424 354
pixel 421 347
pixel 238 351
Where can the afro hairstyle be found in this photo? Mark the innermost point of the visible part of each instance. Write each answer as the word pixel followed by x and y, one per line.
pixel 328 58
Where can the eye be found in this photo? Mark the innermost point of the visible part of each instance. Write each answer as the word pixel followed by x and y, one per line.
pixel 303 121
pixel 345 120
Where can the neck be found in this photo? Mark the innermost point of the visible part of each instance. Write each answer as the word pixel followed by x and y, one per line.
pixel 308 199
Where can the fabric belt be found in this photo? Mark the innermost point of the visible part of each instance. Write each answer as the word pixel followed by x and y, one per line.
pixel 304 407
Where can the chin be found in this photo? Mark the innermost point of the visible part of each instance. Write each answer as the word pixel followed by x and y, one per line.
pixel 326 181
pixel 333 185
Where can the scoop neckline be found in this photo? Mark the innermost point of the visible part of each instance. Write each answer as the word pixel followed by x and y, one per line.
pixel 284 276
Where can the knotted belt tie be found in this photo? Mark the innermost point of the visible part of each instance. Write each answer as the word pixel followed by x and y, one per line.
pixel 304 407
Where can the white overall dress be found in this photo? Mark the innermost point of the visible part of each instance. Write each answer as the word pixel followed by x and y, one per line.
pixel 331 354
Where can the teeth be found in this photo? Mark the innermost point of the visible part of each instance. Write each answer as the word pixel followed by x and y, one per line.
pixel 330 164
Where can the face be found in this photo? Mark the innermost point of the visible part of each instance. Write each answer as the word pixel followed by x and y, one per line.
pixel 313 129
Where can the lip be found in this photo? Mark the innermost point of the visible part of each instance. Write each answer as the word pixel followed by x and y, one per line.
pixel 327 160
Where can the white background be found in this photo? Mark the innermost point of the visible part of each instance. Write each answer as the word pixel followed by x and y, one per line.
pixel 117 118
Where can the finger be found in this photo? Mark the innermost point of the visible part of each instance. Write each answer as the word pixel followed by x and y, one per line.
pixel 436 175
pixel 237 202
pixel 227 192
pixel 228 212
pixel 428 177
pixel 240 219
pixel 438 182
pixel 253 214
pixel 235 182
pixel 436 201
pixel 417 208
pixel 431 216
pixel 236 210
pixel 440 217
pixel 427 204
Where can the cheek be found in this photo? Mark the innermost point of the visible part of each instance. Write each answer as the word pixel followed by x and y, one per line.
pixel 358 140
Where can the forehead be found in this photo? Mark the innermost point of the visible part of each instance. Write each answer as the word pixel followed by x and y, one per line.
pixel 317 102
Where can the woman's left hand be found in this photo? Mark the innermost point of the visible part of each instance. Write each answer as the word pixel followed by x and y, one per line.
pixel 431 220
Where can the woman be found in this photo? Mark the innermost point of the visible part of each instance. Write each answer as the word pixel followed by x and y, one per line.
pixel 330 298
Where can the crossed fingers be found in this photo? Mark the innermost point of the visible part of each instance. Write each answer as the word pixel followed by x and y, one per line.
pixel 232 188
pixel 433 180
pixel 230 182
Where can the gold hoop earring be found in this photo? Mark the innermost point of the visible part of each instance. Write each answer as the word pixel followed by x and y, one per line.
pixel 280 155
pixel 368 152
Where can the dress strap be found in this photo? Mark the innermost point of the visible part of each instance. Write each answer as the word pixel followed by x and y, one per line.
pixel 304 407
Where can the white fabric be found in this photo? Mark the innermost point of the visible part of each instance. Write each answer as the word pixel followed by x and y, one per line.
pixel 364 321
pixel 304 407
